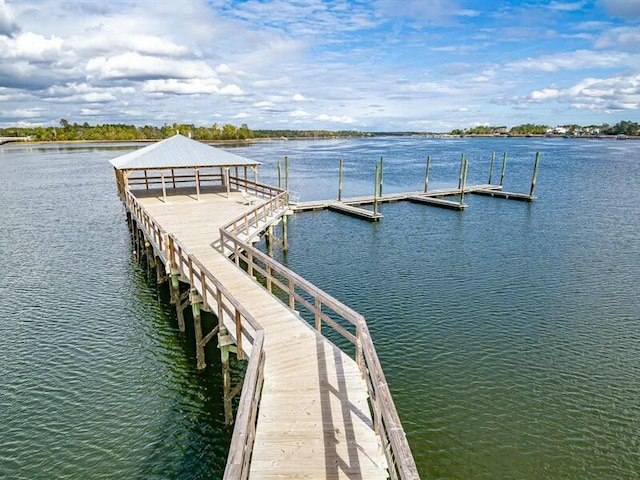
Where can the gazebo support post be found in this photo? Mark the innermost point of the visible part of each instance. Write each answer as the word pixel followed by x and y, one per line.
pixel 164 187
pixel 197 184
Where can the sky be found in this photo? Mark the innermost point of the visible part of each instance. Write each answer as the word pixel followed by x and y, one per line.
pixel 370 65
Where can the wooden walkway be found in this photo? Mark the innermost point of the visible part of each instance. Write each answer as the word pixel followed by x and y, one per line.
pixel 314 417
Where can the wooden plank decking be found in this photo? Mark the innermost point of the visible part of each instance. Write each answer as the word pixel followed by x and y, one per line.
pixel 314 419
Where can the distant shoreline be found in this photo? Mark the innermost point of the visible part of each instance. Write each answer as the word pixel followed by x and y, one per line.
pixel 248 141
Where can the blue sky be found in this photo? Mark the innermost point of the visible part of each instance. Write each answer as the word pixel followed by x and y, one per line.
pixel 425 65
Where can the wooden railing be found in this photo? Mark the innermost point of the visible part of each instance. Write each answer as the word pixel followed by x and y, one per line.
pixel 325 309
pixel 229 312
pixel 259 216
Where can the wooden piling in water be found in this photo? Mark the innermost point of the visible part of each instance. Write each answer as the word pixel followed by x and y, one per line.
pixel 285 242
pixel 381 176
pixel 340 182
pixel 465 168
pixel 224 341
pixel 269 240
pixel 504 169
pixel 493 158
pixel 196 303
pixel 535 175
pixel 426 175
pixel 375 190
pixel 286 173
pixel 462 159
pixel 279 175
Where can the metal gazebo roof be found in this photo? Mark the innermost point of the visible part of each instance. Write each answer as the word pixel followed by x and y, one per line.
pixel 179 152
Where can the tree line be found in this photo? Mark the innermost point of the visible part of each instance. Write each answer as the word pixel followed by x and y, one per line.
pixel 624 127
pixel 67 131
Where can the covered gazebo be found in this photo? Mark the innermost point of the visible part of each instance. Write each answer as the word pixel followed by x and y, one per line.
pixel 180 162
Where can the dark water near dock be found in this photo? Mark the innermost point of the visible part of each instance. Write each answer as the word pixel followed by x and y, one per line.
pixel 509 333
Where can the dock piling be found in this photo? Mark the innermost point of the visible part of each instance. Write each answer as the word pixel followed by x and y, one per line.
pixel 462 160
pixel 463 181
pixel 196 303
pixel 504 169
pixel 375 190
pixel 381 175
pixel 286 173
pixel 279 175
pixel 493 159
pixel 285 242
pixel 535 175
pixel 426 175
pixel 340 181
pixel 223 344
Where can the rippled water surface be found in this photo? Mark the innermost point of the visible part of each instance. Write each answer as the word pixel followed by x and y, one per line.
pixel 509 333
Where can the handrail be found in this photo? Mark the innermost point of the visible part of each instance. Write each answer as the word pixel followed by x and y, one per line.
pixel 243 223
pixel 174 253
pixel 385 416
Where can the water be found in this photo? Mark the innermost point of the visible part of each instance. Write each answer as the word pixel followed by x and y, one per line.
pixel 509 333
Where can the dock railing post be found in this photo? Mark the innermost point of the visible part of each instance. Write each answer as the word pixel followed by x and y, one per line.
pixel 426 175
pixel 504 169
pixel 340 181
pixel 535 176
pixel 461 171
pixel 381 175
pixel 375 190
pixel 493 159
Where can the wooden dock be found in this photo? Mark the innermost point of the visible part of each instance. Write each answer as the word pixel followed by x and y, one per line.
pixel 506 195
pixel 432 197
pixel 307 408
pixel 354 211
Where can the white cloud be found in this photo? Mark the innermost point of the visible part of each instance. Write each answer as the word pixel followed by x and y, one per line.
pixel 264 104
pixel 299 114
pixel 622 38
pixel 31 47
pixel 241 115
pixel 335 119
pixel 299 98
pixel 22 113
pixel 566 6
pixel 8 25
pixel 273 83
pixel 578 60
pixel 232 90
pixel 223 69
pixel 117 42
pixel 182 87
pixel 434 12
pixel 134 65
pixel 620 92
